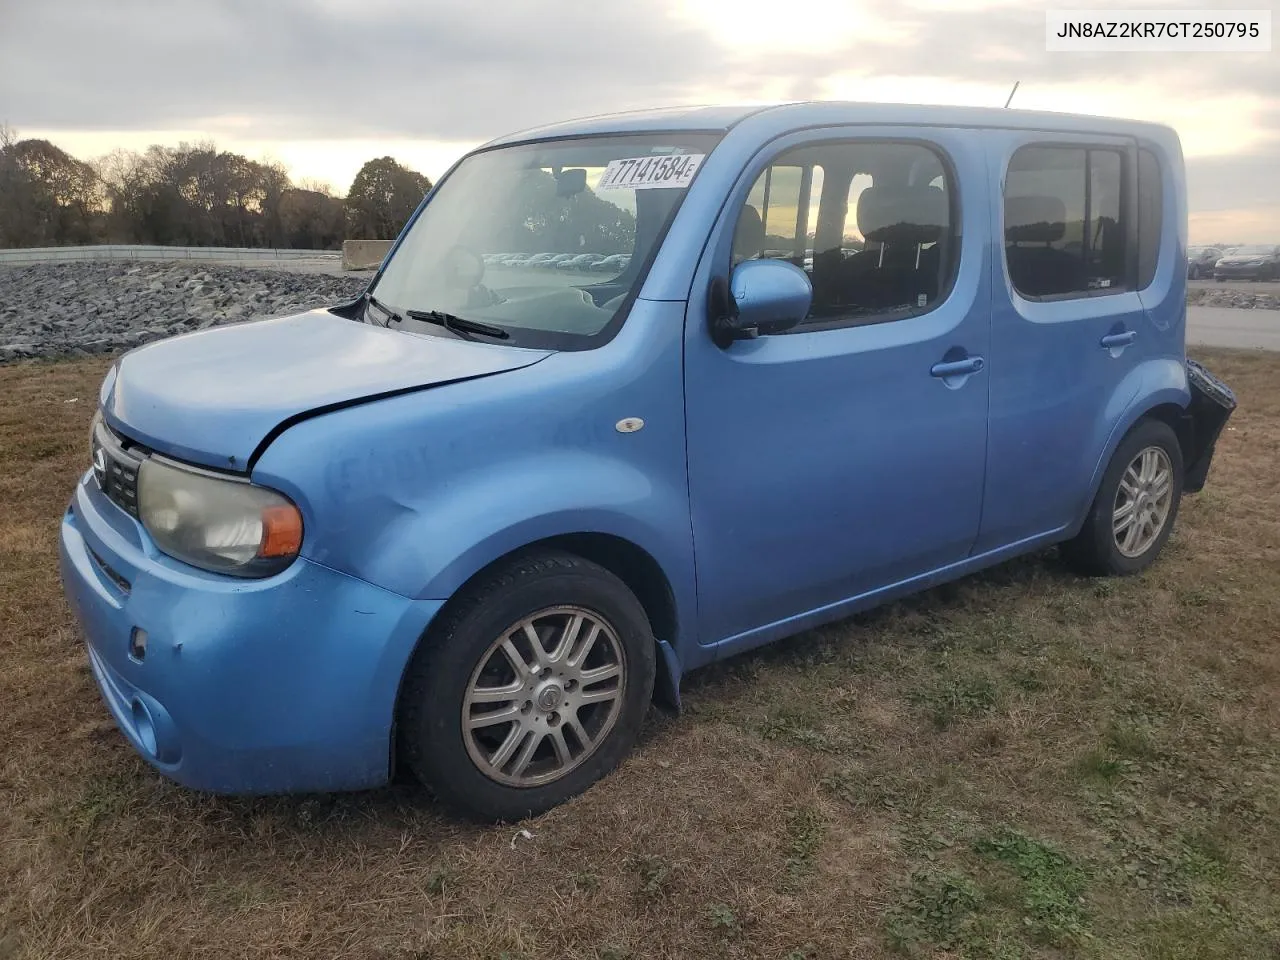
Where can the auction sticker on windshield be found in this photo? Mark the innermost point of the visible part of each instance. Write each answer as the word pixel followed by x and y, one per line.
pixel 643 173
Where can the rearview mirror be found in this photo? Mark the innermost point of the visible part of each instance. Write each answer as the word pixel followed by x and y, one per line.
pixel 766 296
pixel 571 182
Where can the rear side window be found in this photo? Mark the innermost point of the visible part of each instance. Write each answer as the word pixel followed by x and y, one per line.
pixel 1150 216
pixel 871 222
pixel 1065 227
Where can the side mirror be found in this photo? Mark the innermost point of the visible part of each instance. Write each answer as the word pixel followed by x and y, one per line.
pixel 765 296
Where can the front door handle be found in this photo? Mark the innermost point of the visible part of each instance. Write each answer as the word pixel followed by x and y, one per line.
pixel 957 368
pixel 1113 340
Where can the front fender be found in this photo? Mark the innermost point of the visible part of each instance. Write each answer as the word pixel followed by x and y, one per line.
pixel 417 493
pixel 477 520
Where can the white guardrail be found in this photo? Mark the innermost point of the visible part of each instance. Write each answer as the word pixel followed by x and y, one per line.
pixel 126 251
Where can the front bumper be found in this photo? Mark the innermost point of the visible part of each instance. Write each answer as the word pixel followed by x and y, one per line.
pixel 286 684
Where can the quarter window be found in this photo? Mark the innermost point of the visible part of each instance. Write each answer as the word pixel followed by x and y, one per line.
pixel 1065 227
pixel 870 222
pixel 1150 216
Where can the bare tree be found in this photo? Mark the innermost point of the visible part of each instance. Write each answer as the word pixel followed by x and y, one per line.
pixel 191 194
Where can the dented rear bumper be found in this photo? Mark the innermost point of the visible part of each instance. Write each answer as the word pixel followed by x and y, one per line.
pixel 1212 403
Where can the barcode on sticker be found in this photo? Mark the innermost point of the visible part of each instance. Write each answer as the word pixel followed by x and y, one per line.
pixel 642 173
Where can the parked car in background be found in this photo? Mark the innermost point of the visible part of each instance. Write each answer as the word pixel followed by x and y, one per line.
pixel 473 524
pixel 1200 261
pixel 582 261
pixel 1253 261
pixel 615 263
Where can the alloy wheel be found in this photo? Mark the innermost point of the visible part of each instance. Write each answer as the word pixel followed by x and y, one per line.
pixel 1143 502
pixel 544 696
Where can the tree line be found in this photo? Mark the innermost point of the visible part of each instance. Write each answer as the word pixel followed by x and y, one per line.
pixel 191 195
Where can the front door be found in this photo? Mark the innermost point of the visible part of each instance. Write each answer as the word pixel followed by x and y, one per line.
pixel 846 455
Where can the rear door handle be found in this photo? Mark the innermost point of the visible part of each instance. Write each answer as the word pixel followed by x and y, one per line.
pixel 957 368
pixel 1112 340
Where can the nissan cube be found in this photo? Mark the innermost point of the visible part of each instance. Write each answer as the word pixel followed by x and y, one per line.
pixel 627 396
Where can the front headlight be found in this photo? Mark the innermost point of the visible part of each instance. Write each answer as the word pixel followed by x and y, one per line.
pixel 224 525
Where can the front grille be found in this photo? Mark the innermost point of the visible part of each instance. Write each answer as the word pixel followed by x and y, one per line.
pixel 115 467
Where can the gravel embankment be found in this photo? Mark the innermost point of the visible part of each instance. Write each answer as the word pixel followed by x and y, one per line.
pixel 1241 299
pixel 77 309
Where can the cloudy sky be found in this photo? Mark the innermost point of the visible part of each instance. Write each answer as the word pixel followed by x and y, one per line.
pixel 323 85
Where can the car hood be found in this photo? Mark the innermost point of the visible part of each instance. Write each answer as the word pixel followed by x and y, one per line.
pixel 213 397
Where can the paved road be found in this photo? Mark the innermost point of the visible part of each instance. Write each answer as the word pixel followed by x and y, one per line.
pixel 1232 327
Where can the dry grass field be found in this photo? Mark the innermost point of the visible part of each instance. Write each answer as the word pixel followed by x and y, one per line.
pixel 1021 764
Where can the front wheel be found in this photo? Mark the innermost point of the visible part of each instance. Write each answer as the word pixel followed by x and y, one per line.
pixel 1132 515
pixel 532 687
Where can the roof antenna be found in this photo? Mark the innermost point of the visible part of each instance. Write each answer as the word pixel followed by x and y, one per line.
pixel 1011 93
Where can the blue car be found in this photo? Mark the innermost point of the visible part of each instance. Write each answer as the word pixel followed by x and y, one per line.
pixel 473 525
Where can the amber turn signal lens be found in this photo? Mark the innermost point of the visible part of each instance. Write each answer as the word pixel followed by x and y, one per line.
pixel 281 531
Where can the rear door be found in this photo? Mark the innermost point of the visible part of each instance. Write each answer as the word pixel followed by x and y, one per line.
pixel 846 455
pixel 1068 326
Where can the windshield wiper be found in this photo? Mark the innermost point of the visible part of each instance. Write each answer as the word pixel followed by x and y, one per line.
pixel 459 325
pixel 387 311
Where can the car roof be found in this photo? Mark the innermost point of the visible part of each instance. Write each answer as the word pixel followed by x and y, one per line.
pixel 775 119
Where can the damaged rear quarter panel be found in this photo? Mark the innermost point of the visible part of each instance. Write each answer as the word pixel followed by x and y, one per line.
pixel 1159 381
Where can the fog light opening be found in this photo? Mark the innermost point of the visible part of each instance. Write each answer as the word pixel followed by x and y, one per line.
pixel 138 643
pixel 143 727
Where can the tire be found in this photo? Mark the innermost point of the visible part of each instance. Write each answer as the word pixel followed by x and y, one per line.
pixel 460 666
pixel 1098 550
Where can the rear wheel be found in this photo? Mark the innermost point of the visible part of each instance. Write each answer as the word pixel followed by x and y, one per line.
pixel 1133 513
pixel 533 686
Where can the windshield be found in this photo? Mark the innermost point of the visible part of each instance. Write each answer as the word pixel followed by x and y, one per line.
pixel 543 242
pixel 1252 250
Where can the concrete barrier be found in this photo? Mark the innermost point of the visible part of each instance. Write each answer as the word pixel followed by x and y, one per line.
pixel 364 254
pixel 133 251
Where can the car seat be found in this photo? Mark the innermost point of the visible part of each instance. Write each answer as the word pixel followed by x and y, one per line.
pixel 1032 225
pixel 748 235
pixel 904 227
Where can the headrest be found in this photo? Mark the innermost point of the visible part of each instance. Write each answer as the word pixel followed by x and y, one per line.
pixel 1034 219
pixel 902 214
pixel 748 236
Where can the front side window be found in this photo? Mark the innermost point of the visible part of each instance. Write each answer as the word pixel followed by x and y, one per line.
pixel 539 244
pixel 1065 229
pixel 872 223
